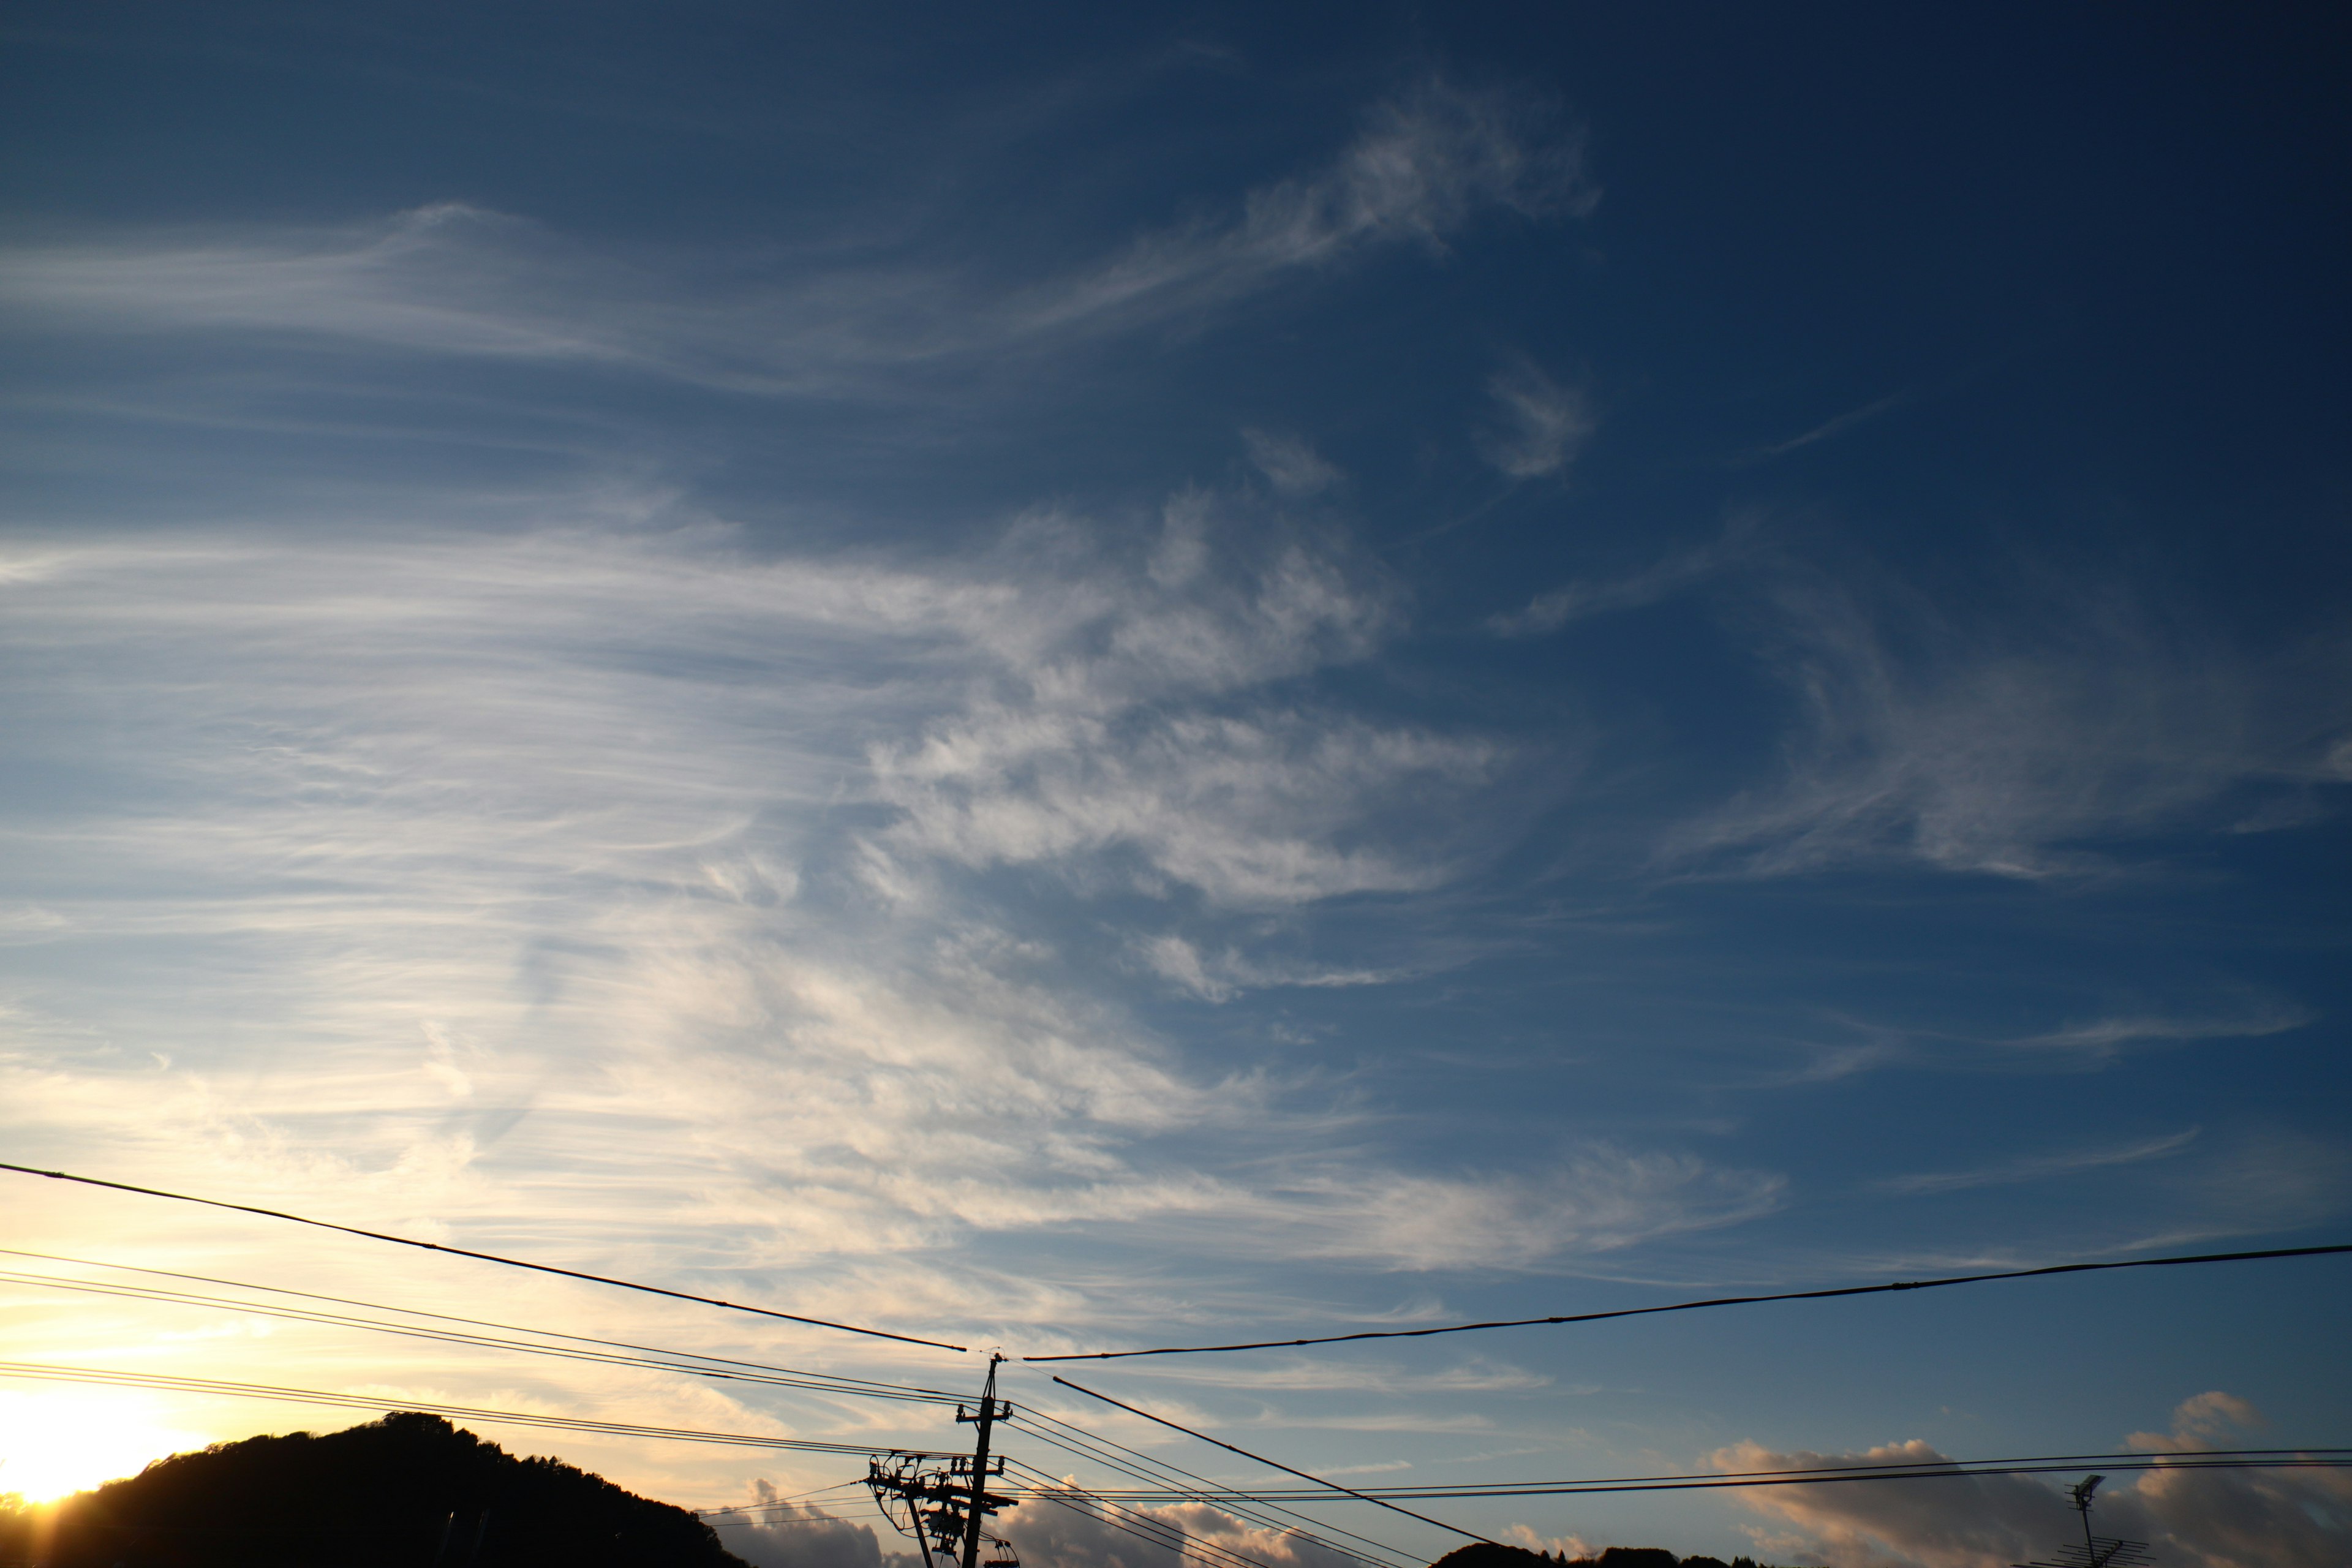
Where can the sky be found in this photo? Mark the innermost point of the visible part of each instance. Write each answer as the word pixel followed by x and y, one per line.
pixel 1070 677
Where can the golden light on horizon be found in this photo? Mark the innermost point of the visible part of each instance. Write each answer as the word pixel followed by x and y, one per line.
pixel 57 1442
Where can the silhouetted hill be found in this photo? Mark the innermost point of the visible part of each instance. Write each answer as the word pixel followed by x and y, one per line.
pixel 1481 1555
pixel 409 1491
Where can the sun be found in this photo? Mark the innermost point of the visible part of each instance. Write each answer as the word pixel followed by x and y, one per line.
pixel 54 1443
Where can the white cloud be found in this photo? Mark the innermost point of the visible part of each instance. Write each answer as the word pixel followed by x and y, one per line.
pixel 1555 607
pixel 2041 1167
pixel 2199 1519
pixel 1422 165
pixel 2085 1046
pixel 1539 425
pixel 1221 976
pixel 2018 750
pixel 1835 427
pixel 2105 1037
pixel 1140 720
pixel 1599 1199
pixel 1291 465
pixel 453 279
pixel 619 874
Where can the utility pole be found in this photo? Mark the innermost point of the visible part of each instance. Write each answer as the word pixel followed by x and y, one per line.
pixel 980 1507
pixel 946 1507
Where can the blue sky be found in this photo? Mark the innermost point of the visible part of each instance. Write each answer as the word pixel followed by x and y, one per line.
pixel 1088 677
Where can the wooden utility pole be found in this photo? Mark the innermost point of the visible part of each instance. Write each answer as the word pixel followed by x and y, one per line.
pixel 977 1511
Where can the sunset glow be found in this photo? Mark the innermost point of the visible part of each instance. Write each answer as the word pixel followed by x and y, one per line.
pixel 718 719
pixel 53 1444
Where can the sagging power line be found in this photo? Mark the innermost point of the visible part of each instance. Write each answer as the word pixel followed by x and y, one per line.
pixel 1942 1469
pixel 730 1372
pixel 481 1257
pixel 828 1378
pixel 107 1377
pixel 1278 1464
pixel 1253 1508
pixel 1143 1526
pixel 1712 1301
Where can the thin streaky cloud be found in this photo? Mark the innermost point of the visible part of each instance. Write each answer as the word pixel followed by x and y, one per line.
pixel 1537 426
pixel 2105 1036
pixel 2039 1167
pixel 1555 607
pixel 453 279
pixel 1828 428
pixel 2024 748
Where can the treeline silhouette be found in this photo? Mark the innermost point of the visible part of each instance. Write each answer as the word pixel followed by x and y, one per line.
pixel 410 1489
pixel 1483 1555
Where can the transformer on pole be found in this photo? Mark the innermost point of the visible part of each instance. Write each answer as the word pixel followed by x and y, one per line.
pixel 945 1507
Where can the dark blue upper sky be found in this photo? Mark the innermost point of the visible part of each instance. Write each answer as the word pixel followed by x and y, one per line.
pixel 1080 675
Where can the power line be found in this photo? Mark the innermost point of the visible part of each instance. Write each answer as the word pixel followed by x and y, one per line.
pixel 1245 1505
pixel 1236 1503
pixel 1143 1526
pixel 2055 1464
pixel 774 1501
pixel 1140 1525
pixel 1261 1459
pixel 484 1256
pixel 104 1377
pixel 855 1383
pixel 814 1382
pixel 1102 1450
pixel 1714 1302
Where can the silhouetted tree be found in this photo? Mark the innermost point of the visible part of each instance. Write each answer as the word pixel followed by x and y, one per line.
pixel 407 1491
pixel 1481 1555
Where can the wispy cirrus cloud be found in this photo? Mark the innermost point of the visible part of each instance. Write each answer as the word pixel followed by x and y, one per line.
pixel 1291 465
pixel 1830 428
pixel 2108 1036
pixel 1223 975
pixel 2019 748
pixel 2076 1046
pixel 628 864
pixel 1130 726
pixel 453 279
pixel 1555 607
pixel 1537 426
pixel 2041 1167
pixel 1424 162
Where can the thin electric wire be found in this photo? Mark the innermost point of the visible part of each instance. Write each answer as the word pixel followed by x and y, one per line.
pixel 1137 1523
pixel 1930 1474
pixel 447 1336
pixel 1146 1527
pixel 41 1371
pixel 2054 1464
pixel 1101 1513
pixel 777 1501
pixel 1245 1506
pixel 1094 1447
pixel 483 1256
pixel 1712 1301
pixel 1278 1464
pixel 829 1377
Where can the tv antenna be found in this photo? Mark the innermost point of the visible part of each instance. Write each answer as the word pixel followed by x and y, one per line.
pixel 2097 1550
